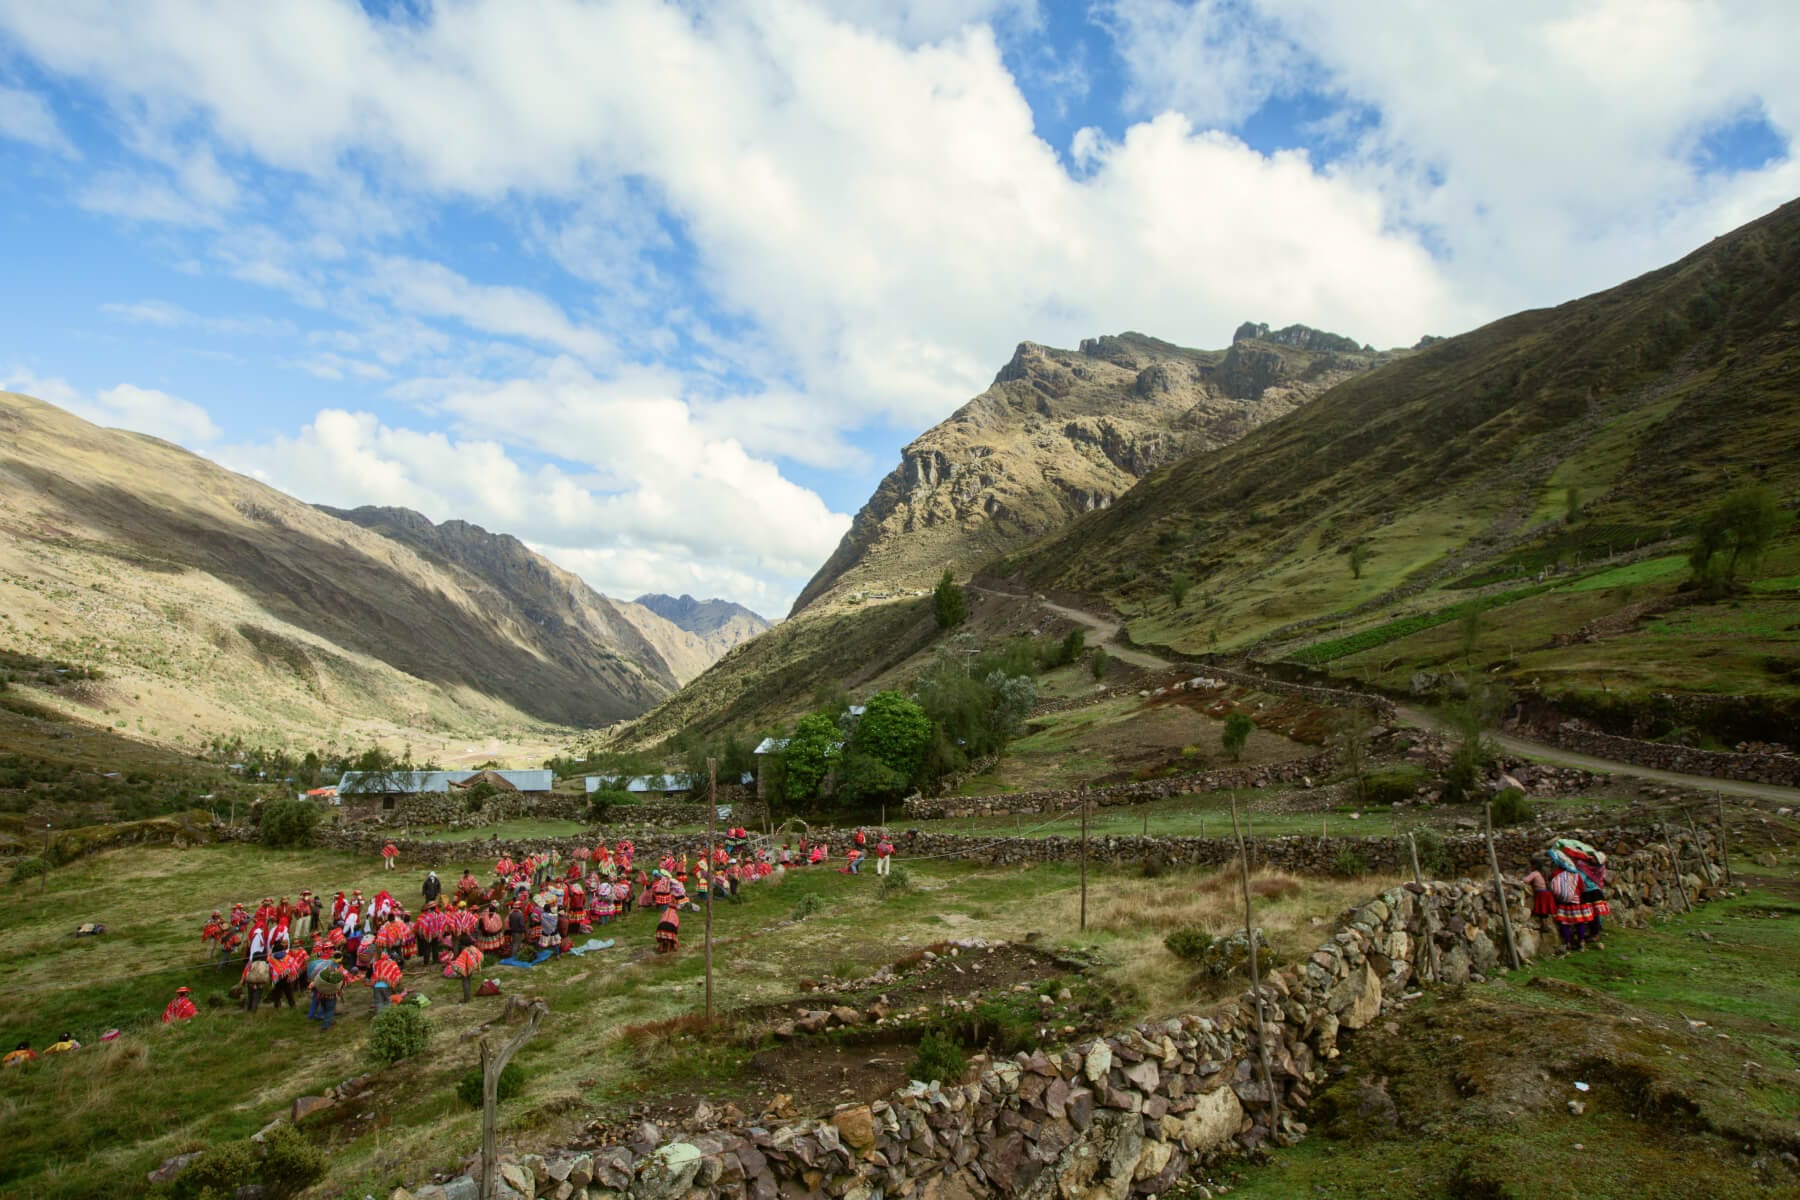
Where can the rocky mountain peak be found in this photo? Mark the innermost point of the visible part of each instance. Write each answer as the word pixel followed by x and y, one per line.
pixel 1300 337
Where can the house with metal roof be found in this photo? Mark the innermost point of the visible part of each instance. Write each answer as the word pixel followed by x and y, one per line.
pixel 388 786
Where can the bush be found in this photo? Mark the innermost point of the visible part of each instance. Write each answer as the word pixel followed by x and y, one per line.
pixel 1511 808
pixel 510 1084
pixel 399 1031
pixel 897 882
pixel 1393 785
pixel 1434 858
pixel 288 824
pixel 1097 662
pixel 602 803
pixel 290 1162
pixel 222 1169
pixel 939 1058
pixel 1179 587
pixel 29 868
pixel 1189 945
pixel 809 905
pixel 1237 734
pixel 1349 863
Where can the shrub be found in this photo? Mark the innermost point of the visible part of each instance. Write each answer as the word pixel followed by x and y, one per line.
pixel 399 1031
pixel 808 905
pixel 222 1169
pixel 29 868
pixel 603 801
pixel 1237 734
pixel 939 1058
pixel 897 882
pixel 1179 587
pixel 510 1084
pixel 1097 662
pixel 1393 785
pixel 1511 808
pixel 948 602
pixel 1188 944
pixel 290 1162
pixel 1349 862
pixel 288 824
pixel 1434 858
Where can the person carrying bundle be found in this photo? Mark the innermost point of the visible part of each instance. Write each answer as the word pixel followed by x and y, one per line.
pixel 464 966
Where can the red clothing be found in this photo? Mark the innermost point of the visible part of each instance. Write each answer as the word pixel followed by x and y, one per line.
pixel 387 971
pixel 180 1009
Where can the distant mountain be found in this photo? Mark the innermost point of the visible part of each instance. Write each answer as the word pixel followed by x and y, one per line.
pixel 1065 432
pixel 693 634
pixel 213 603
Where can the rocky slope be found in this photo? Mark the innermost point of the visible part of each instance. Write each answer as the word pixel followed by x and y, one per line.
pixel 212 603
pixel 692 635
pixel 1060 433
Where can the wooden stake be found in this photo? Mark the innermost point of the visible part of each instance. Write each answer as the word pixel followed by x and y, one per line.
pixel 712 812
pixel 491 1066
pixel 1262 1037
pixel 1699 851
pixel 1724 854
pixel 1084 808
pixel 1512 947
pixel 1675 863
pixel 1412 849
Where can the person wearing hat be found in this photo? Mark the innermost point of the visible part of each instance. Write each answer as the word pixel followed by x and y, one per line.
pixel 181 1008
pixel 433 887
pixel 63 1045
pixel 21 1054
pixel 516 925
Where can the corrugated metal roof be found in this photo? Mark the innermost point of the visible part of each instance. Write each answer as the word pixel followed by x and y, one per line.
pixel 414 782
pixel 657 783
pixel 770 745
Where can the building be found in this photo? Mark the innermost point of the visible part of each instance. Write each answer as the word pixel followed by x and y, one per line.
pixel 660 785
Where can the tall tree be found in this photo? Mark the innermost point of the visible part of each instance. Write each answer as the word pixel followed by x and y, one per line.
pixel 951 605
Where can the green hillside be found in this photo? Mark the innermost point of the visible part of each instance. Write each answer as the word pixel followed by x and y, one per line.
pixel 1541 473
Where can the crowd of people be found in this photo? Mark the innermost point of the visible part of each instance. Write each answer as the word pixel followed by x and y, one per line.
pixel 524 910
pixel 1568 890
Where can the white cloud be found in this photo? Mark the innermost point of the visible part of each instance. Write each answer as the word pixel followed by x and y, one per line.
pixel 123 406
pixel 168 315
pixel 434 290
pixel 27 117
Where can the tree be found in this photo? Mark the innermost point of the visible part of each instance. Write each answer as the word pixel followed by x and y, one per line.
pixel 1179 587
pixel 895 732
pixel 1571 504
pixel 1737 529
pixel 1236 735
pixel 1359 557
pixel 288 824
pixel 951 605
pixel 1353 743
pixel 809 756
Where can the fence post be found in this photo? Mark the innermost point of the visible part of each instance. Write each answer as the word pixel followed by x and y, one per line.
pixel 1724 853
pixel 1512 947
pixel 1262 1036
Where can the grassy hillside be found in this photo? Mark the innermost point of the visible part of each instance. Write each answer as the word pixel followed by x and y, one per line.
pixel 1499 473
pixel 211 603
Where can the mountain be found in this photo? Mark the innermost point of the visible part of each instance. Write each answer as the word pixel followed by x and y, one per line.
pixel 1517 498
pixel 212 603
pixel 1064 432
pixel 704 616
pixel 1513 501
pixel 691 634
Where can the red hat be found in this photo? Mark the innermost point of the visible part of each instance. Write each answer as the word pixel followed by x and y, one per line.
pixel 181 991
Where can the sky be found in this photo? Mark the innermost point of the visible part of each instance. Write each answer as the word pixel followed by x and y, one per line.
pixel 664 288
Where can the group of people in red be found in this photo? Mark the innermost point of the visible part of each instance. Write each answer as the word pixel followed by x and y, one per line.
pixel 816 854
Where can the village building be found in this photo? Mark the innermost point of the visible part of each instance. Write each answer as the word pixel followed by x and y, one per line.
pixel 384 789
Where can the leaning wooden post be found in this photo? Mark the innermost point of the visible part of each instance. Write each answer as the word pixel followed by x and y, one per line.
pixel 1675 865
pixel 1699 850
pixel 1724 854
pixel 712 865
pixel 491 1066
pixel 1262 1033
pixel 1412 850
pixel 1084 808
pixel 1512 947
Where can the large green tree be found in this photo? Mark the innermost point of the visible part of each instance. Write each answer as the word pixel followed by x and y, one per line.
pixel 948 600
pixel 895 732
pixel 809 756
pixel 1735 531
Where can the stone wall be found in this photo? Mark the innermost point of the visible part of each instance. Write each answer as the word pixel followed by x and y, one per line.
pixel 1779 769
pixel 451 809
pixel 1052 800
pixel 1118 1116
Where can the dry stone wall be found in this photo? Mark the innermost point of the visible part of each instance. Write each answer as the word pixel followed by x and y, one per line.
pixel 1781 769
pixel 1115 1117
pixel 1052 800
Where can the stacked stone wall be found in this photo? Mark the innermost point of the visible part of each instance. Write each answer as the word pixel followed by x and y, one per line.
pixel 1053 800
pixel 1119 1116
pixel 1780 769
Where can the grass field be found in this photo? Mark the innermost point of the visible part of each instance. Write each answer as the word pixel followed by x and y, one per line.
pixel 1468 1095
pixel 98 1120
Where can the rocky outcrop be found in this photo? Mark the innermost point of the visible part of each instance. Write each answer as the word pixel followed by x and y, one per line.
pixel 1060 433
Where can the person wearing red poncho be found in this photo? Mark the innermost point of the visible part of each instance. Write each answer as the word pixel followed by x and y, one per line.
pixel 181 1008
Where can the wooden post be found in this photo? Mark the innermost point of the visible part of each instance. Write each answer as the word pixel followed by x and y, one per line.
pixel 1084 807
pixel 1262 1036
pixel 44 877
pixel 491 1066
pixel 712 812
pixel 1412 850
pixel 1675 863
pixel 1699 851
pixel 1724 854
pixel 1512 947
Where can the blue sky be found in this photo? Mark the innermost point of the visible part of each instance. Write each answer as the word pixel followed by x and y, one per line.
pixel 680 281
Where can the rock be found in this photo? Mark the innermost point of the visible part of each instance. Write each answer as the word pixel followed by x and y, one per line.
pixel 519 1178
pixel 1098 1061
pixel 857 1127
pixel 1145 1076
pixel 669 1172
pixel 400 1193
pixel 461 1188
pixel 1357 998
pixel 1212 1121
pixel 843 1014
pixel 171 1167
pixel 1152 1160
pixel 305 1106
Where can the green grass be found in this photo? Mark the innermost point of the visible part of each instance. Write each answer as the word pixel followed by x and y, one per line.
pixel 1320 653
pixel 1651 570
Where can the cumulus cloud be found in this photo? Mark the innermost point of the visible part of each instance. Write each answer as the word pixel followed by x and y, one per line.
pixel 123 406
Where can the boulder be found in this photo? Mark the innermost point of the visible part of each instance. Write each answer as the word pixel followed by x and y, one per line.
pixel 305 1106
pixel 668 1173
pixel 1098 1061
pixel 857 1128
pixel 1212 1121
